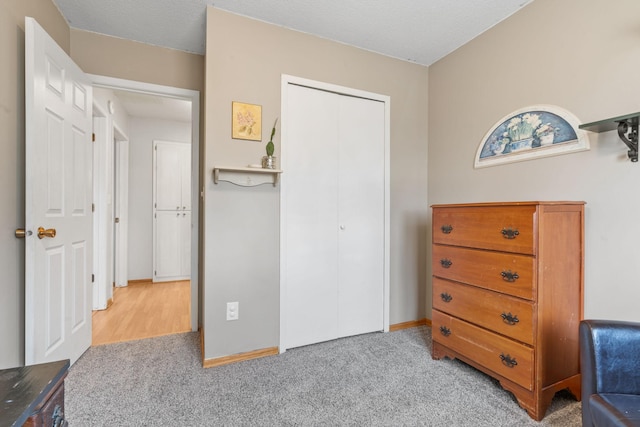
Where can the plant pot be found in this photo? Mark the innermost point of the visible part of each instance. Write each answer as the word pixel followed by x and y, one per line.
pixel 269 162
pixel 523 144
pixel 546 139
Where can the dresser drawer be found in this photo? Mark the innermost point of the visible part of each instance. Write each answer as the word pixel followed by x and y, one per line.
pixel 506 315
pixel 501 355
pixel 507 273
pixel 51 411
pixel 486 227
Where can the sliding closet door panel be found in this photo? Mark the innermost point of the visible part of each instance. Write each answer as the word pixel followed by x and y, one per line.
pixel 311 272
pixel 361 215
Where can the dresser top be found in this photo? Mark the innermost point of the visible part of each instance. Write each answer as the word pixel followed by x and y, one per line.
pixel 525 203
pixel 21 389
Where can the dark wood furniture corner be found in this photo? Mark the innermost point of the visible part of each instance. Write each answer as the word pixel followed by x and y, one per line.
pixel 33 395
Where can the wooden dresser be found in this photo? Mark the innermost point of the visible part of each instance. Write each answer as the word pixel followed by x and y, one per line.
pixel 508 294
pixel 33 396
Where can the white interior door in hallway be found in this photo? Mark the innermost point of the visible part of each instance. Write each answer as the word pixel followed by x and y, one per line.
pixel 334 215
pixel 120 208
pixel 172 211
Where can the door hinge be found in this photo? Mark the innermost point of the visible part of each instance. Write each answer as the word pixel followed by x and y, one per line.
pixel 93 137
pixel 93 277
pixel 117 220
pixel 93 207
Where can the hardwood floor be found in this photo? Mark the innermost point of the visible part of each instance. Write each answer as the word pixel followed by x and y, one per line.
pixel 144 310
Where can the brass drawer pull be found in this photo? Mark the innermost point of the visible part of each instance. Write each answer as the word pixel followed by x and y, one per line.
pixel 445 263
pixel 445 331
pixel 509 233
pixel 509 276
pixel 508 361
pixel 446 297
pixel 510 319
pixel 446 229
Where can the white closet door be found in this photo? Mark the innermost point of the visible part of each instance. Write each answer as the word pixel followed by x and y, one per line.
pixel 185 242
pixel 168 245
pixel 361 215
pixel 168 185
pixel 172 214
pixel 185 163
pixel 334 209
pixel 312 216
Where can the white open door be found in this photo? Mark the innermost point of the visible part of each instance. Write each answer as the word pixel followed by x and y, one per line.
pixel 58 185
pixel 121 209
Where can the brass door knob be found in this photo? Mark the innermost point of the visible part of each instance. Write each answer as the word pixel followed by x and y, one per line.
pixel 42 233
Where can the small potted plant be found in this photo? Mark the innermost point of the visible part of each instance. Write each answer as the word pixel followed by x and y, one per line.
pixel 269 161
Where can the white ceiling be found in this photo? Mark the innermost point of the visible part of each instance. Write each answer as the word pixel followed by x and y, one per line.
pixel 420 31
pixel 154 106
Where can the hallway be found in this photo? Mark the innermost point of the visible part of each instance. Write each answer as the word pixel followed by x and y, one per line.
pixel 144 310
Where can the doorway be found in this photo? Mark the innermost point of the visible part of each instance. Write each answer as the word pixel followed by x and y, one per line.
pixel 58 120
pixel 125 88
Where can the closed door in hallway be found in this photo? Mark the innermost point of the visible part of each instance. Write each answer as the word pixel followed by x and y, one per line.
pixel 172 211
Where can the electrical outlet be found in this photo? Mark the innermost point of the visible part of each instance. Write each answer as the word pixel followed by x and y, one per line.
pixel 232 311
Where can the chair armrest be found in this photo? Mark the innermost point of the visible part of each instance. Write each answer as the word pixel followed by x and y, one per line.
pixel 609 360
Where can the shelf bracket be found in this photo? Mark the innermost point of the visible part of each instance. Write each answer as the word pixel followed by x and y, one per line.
pixel 628 133
pixel 627 127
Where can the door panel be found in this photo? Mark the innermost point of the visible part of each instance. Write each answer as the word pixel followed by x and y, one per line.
pixel 121 208
pixel 312 215
pixel 168 245
pixel 185 242
pixel 334 209
pixel 172 215
pixel 58 184
pixel 168 183
pixel 361 207
pixel 185 163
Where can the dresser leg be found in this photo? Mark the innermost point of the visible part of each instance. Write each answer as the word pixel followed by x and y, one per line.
pixel 437 351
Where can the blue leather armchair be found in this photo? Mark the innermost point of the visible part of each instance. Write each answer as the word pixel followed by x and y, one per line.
pixel 610 366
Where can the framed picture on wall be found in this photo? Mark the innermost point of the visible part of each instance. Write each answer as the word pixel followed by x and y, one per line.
pixel 246 121
pixel 531 132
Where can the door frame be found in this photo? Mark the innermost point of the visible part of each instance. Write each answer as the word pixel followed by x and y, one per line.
pixel 194 97
pixel 287 80
pixel 101 292
pixel 120 205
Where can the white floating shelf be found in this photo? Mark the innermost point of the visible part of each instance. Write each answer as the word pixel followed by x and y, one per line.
pixel 246 177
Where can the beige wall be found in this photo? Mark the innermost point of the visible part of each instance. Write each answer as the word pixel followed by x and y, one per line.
pixel 245 60
pixel 584 56
pixel 12 14
pixel 129 60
